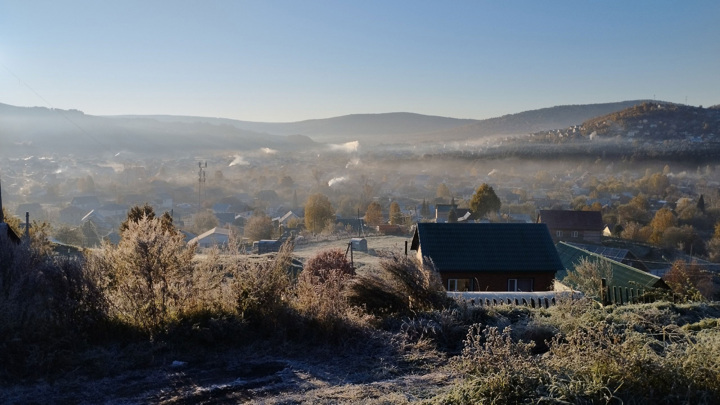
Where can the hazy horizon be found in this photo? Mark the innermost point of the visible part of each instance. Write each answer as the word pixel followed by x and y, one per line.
pixel 283 61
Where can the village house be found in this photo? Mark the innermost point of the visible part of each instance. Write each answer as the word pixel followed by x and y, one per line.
pixel 573 226
pixel 213 237
pixel 489 256
pixel 88 202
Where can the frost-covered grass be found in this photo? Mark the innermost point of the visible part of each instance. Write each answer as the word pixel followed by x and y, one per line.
pixel 238 328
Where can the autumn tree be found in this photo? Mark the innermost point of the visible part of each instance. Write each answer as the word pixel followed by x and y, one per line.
pixel 374 215
pixel 690 282
pixel 259 227
pixel 318 210
pixel 395 213
pixel 484 201
pixel 443 192
pixel 664 219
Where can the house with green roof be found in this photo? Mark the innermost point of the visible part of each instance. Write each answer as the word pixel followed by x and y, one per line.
pixel 489 256
pixel 627 283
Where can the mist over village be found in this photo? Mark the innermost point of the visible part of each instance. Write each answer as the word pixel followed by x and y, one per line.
pixel 276 203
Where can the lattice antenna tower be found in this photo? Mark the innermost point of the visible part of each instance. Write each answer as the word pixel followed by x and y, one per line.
pixel 201 182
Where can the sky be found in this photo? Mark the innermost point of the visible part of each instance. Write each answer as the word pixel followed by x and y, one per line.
pixel 282 61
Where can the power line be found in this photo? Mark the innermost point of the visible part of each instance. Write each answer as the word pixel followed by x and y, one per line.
pixel 51 107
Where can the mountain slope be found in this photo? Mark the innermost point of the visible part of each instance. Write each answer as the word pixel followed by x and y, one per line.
pixel 536 120
pixel 42 130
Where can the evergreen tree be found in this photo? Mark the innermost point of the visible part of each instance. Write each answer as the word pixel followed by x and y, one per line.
pixel 452 215
pixel 701 204
pixel 484 201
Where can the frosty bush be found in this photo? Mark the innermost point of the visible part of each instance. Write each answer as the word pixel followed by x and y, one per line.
pixel 147 276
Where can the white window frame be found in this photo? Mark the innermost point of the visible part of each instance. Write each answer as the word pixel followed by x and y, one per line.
pixel 575 234
pixel 512 281
pixel 454 283
pixel 559 234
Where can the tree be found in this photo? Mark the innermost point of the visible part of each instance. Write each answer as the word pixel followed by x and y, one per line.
pixel 259 227
pixel 443 192
pixel 701 204
pixel 425 209
pixel 663 220
pixel 484 201
pixel 286 182
pixel 452 215
pixel 318 210
pixel 395 213
pixel 137 212
pixel 203 221
pixel 373 215
pixel 690 282
pixel 69 235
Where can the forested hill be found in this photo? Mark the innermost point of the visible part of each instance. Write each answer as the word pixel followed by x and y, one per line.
pixel 544 119
pixel 658 121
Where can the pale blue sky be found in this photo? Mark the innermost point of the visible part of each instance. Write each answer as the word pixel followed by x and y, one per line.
pixel 294 60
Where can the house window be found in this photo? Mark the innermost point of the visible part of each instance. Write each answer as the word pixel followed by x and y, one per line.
pixel 575 234
pixel 558 234
pixel 520 284
pixel 459 284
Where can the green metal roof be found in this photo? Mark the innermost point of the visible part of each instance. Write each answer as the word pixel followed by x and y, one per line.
pixel 622 274
pixel 487 247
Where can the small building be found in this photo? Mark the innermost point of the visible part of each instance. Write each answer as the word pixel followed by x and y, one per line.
pixel 359 244
pixel 624 256
pixel 626 285
pixel 573 226
pixel 35 209
pixel 214 237
pixel 267 246
pixel 88 202
pixel 442 211
pixel 72 215
pixel 489 257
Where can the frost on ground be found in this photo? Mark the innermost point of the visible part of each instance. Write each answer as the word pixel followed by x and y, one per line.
pixel 238 378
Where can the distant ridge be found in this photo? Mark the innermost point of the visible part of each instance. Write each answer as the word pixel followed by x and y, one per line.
pixel 543 119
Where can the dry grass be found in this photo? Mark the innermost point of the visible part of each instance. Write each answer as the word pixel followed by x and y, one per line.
pixel 327 336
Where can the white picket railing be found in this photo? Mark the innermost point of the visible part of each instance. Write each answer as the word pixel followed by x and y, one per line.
pixel 536 299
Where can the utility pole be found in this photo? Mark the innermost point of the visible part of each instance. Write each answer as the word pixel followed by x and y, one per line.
pixel 201 182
